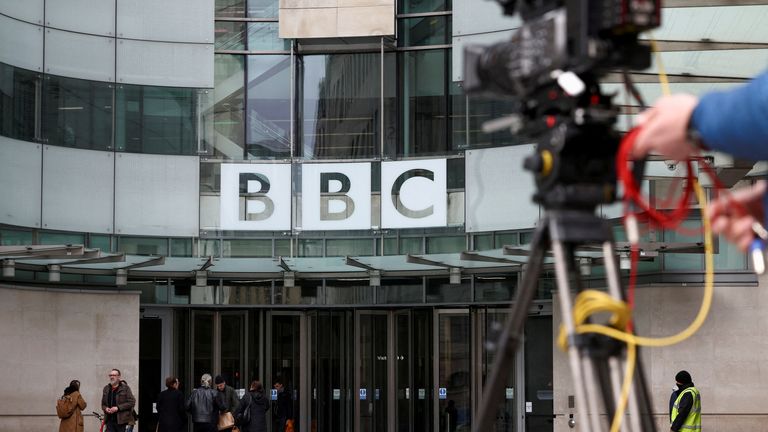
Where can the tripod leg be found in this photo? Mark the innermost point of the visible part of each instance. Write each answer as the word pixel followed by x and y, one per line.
pixel 582 371
pixel 639 419
pixel 511 336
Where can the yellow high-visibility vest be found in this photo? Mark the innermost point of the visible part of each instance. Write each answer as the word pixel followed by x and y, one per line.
pixel 693 421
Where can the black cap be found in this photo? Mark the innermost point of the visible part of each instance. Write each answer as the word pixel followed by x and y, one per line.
pixel 219 379
pixel 683 377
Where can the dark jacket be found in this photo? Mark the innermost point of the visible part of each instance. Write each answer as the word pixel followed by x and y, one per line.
pixel 125 402
pixel 229 396
pixel 171 416
pixel 284 406
pixel 204 404
pixel 259 407
pixel 686 403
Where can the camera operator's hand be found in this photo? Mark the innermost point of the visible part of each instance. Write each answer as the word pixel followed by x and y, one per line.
pixel 734 222
pixel 664 128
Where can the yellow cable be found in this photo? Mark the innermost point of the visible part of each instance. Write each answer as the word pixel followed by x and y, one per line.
pixel 660 66
pixel 590 301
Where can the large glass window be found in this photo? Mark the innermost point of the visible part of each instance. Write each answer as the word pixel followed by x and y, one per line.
pixel 247 248
pixel 350 247
pixel 263 8
pixel 263 36
pixel 17 102
pixel 424 6
pixel 77 113
pixel 420 31
pixel 229 106
pixel 158 120
pixel 143 245
pixel 268 125
pixel 230 8
pixel 424 103
pixel 340 105
pixel 230 35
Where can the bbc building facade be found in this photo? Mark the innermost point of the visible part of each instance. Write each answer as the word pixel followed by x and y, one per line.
pixel 300 190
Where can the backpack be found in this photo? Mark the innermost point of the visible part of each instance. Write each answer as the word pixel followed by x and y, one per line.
pixel 244 417
pixel 65 407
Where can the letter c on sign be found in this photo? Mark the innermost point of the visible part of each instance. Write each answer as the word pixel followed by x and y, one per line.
pixel 404 177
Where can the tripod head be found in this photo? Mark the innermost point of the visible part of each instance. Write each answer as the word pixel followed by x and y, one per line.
pixel 551 66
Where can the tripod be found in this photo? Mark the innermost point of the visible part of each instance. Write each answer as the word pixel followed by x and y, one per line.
pixel 596 361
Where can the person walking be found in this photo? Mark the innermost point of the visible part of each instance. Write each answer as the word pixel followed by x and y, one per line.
pixel 170 408
pixel 204 405
pixel 257 405
pixel 686 411
pixel 74 404
pixel 117 402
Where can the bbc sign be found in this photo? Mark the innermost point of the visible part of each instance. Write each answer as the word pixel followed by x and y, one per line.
pixel 334 196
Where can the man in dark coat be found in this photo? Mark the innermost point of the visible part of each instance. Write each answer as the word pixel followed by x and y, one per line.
pixel 117 402
pixel 170 408
pixel 284 406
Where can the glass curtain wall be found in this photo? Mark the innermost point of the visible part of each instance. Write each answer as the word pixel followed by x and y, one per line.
pixel 18 90
pixel 340 105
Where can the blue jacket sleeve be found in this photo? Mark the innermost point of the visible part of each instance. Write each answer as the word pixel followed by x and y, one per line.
pixel 736 121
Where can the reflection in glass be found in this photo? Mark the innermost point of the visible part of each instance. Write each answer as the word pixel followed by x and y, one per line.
pixel 429 30
pixel 340 291
pixel 263 8
pixel 157 120
pixel 247 248
pixel 246 293
pixel 482 110
pixel 351 247
pixel 268 109
pixel 229 107
pixel 495 287
pixel 77 113
pixel 181 247
pixel 401 291
pixel 423 6
pixel 49 238
pixel 310 247
pixel 439 290
pixel 232 337
pixel 453 371
pixel 373 372
pixel 263 36
pixel 229 35
pixel 305 292
pixel 17 103
pixel 230 8
pixel 424 107
pixel 202 344
pixel 143 245
pixel 341 102
pixel 447 244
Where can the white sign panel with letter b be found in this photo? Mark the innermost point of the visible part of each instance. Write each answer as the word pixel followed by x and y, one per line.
pixel 255 197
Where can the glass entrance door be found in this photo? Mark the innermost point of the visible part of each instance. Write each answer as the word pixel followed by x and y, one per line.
pixel 286 338
pixel 489 323
pixel 413 370
pixel 372 370
pixel 453 371
pixel 538 373
pixel 331 366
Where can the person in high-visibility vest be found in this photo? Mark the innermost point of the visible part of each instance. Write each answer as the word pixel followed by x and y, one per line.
pixel 685 412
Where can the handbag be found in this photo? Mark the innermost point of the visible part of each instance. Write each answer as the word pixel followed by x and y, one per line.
pixel 226 420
